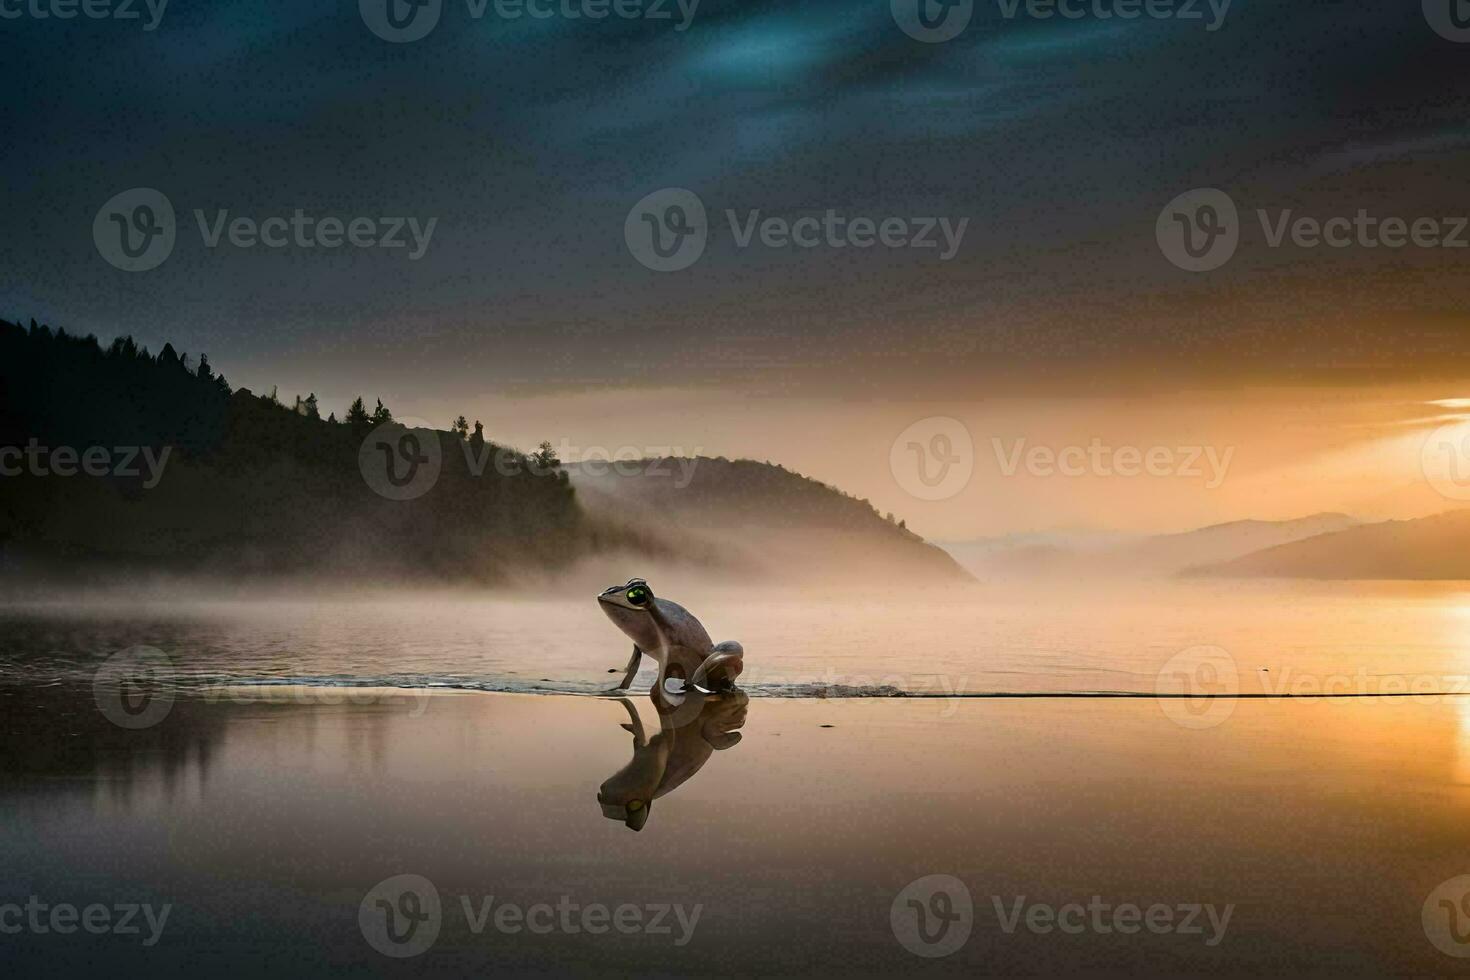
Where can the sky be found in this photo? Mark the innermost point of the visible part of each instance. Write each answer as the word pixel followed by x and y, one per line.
pixel 1053 149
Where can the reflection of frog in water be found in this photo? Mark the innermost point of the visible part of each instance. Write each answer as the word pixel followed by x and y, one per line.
pixel 667 760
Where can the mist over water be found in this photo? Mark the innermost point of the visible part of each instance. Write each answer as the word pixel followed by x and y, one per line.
pixel 876 640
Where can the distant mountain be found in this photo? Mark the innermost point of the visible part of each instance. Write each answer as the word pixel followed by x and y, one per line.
pixel 1222 542
pixel 1102 553
pixel 751 516
pixel 1041 553
pixel 1435 547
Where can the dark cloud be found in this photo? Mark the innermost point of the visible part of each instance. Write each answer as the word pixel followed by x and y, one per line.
pixel 529 140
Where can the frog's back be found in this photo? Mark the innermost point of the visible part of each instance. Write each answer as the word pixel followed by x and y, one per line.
pixel 682 628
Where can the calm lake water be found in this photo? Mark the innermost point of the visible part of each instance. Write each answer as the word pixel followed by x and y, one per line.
pixel 1271 637
pixel 270 829
pixel 276 822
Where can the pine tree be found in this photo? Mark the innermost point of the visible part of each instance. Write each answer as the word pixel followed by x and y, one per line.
pixel 357 412
pixel 544 459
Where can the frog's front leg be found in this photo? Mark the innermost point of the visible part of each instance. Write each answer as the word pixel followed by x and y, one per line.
pixel 634 726
pixel 631 670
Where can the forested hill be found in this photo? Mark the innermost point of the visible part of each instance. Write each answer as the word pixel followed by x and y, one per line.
pixel 759 516
pixel 116 456
pixel 201 477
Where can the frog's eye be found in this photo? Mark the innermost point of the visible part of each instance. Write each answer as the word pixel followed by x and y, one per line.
pixel 638 595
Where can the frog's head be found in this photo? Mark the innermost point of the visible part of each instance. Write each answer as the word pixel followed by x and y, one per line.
pixel 633 814
pixel 628 607
pixel 635 596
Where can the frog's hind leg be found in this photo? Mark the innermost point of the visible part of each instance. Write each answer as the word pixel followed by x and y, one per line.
pixel 720 668
pixel 631 670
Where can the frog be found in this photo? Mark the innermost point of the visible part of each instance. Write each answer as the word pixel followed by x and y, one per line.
pixel 674 637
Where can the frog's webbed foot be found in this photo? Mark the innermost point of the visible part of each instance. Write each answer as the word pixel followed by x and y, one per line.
pixel 720 668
